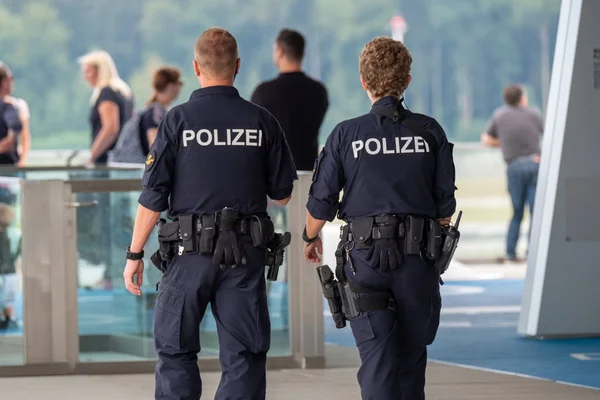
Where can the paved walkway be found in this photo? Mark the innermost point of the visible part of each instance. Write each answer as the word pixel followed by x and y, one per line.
pixel 444 383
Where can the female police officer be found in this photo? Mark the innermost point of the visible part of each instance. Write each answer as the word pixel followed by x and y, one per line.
pixel 215 160
pixel 397 175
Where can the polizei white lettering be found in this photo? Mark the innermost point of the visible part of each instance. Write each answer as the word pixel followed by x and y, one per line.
pixel 227 137
pixel 401 145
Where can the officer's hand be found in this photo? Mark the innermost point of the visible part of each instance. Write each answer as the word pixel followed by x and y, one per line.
pixel 313 251
pixel 385 254
pixel 134 267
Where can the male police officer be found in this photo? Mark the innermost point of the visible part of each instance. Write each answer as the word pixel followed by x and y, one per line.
pixel 397 174
pixel 213 163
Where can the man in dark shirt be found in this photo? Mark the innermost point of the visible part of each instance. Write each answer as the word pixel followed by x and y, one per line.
pixel 517 129
pixel 298 102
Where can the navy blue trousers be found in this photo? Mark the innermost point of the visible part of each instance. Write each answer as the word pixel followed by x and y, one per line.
pixel 392 343
pixel 238 302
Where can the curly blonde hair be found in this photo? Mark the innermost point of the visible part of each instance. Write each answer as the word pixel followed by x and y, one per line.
pixel 384 65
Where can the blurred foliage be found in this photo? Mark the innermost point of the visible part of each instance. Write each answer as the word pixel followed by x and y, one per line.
pixel 464 52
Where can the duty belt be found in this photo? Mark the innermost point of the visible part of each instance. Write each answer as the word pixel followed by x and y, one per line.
pixel 171 231
pixel 362 230
pixel 197 233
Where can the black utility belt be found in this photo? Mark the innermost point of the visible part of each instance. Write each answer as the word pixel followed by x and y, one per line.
pixel 196 233
pixel 422 235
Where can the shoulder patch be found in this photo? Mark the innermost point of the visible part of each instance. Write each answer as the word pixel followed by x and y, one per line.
pixel 150 160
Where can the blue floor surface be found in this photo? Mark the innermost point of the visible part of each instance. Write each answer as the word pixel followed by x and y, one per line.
pixel 479 328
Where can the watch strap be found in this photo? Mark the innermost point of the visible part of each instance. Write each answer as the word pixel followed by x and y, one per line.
pixel 306 238
pixel 133 256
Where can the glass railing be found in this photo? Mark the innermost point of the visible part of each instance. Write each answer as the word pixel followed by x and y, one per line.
pixel 11 314
pixel 71 173
pixel 79 316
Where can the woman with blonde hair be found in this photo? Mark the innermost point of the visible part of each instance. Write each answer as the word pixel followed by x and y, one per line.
pixel 111 101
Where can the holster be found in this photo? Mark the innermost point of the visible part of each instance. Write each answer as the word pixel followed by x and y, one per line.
pixel 347 297
pixel 351 304
pixel 331 292
pixel 168 235
pixel 262 231
pixel 275 252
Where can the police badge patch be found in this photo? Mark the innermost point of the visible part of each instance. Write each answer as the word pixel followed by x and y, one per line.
pixel 150 160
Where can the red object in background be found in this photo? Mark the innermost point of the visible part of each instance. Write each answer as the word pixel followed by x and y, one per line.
pixel 399 27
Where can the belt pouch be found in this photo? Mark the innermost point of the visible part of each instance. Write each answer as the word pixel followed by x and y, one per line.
pixel 434 239
pixel 361 229
pixel 207 234
pixel 262 231
pixel 187 227
pixel 414 234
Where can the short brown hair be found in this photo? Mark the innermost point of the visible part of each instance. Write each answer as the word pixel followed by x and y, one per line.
pixel 216 52
pixel 162 78
pixel 384 65
pixel 513 94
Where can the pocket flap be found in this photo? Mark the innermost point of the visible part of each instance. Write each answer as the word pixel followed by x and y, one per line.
pixel 361 229
pixel 169 232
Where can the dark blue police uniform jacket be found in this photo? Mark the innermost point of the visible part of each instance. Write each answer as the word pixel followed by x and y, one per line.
pixel 384 168
pixel 214 151
pixel 217 150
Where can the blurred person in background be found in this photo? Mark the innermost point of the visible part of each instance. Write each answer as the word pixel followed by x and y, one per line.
pixel 11 125
pixel 10 128
pixel 9 284
pixel 139 132
pixel 6 89
pixel 516 129
pixel 297 101
pixel 111 106
pixel 112 103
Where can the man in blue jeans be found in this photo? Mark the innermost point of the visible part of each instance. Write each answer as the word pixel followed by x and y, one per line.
pixel 516 129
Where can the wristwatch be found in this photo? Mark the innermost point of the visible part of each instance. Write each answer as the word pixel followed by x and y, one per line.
pixel 306 238
pixel 133 256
